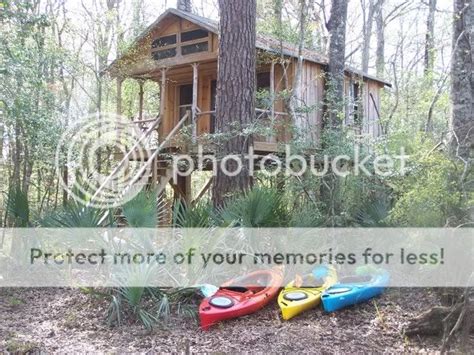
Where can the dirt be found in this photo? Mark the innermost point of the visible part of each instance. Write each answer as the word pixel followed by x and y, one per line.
pixel 67 320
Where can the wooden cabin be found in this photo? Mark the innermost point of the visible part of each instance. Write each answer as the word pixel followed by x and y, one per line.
pixel 180 52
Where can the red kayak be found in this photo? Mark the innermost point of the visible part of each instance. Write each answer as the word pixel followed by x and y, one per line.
pixel 240 297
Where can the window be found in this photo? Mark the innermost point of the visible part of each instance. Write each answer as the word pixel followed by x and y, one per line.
pixel 185 99
pixel 189 42
pixel 166 53
pixel 164 41
pixel 263 80
pixel 355 96
pixel 194 48
pixel 193 35
pixel 263 99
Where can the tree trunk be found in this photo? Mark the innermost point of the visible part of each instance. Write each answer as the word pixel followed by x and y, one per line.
pixel 296 96
pixel 462 78
pixel 236 82
pixel 367 34
pixel 337 52
pixel 443 319
pixel 184 5
pixel 429 41
pixel 380 51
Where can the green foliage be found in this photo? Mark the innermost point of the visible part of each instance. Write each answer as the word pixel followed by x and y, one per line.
pixel 306 216
pixel 76 215
pixel 142 210
pixel 428 196
pixel 150 306
pixel 373 214
pixel 200 215
pixel 259 207
pixel 18 207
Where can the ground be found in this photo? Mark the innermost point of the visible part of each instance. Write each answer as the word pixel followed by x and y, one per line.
pixel 66 320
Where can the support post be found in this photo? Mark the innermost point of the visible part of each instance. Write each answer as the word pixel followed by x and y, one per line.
pixel 140 99
pixel 194 107
pixel 163 92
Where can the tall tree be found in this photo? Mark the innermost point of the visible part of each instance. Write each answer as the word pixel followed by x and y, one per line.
pixel 367 31
pixel 429 41
pixel 185 5
pixel 295 101
pixel 236 82
pixel 337 52
pixel 462 78
pixel 380 49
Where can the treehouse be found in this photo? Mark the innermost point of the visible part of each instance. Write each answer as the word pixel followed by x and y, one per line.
pixel 180 52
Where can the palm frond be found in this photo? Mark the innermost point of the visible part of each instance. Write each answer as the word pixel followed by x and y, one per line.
pixel 75 215
pixel 200 215
pixel 373 214
pixel 142 211
pixel 18 207
pixel 259 207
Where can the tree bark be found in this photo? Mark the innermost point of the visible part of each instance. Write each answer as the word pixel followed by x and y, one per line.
pixel 367 33
pixel 380 51
pixel 337 52
pixel 236 82
pixel 429 41
pixel 296 96
pixel 184 5
pixel 462 79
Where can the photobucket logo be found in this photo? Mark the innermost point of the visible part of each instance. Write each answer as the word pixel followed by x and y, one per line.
pixel 293 164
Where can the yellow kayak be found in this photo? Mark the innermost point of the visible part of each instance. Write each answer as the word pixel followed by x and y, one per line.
pixel 304 293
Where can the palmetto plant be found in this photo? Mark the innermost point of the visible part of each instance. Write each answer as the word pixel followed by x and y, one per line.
pixel 144 210
pixel 373 214
pixel 76 215
pixel 18 208
pixel 201 215
pixel 259 207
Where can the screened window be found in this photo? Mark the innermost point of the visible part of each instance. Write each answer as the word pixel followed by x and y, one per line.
pixel 195 48
pixel 166 53
pixel 193 35
pixel 186 43
pixel 164 41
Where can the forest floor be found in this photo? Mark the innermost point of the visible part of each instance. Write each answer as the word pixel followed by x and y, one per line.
pixel 66 320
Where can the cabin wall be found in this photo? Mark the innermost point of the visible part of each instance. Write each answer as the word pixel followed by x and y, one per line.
pixel 312 96
pixel 371 121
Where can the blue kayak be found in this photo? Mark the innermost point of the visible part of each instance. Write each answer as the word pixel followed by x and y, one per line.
pixel 354 289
